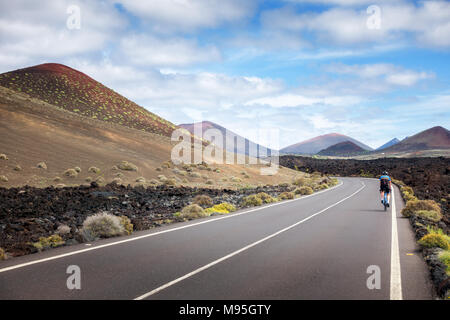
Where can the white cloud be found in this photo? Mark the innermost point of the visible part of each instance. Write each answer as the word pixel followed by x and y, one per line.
pixel 294 100
pixel 187 15
pixel 36 32
pixel 428 22
pixel 163 52
pixel 389 73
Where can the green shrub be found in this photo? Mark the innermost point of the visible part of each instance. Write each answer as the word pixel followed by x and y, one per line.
pixel 77 169
pixel 153 181
pixel 117 181
pixel 193 211
pixel 49 242
pixel 203 200
pixel 209 181
pixel 3 179
pixel 300 181
pixel 170 182
pixel 431 215
pixel 323 186
pixel 127 166
pixel 102 225
pixel 100 180
pixel 252 201
pixel 235 179
pixel 141 180
pixel 413 206
pixel 286 196
pixel 284 185
pixel 2 254
pixel 42 165
pixel 444 256
pixel 434 240
pixel 266 198
pixel 194 174
pixel 94 170
pixel 71 173
pixel 304 190
pixel 3 157
pixel 125 222
pixel 222 208
pixel 88 179
pixel 17 168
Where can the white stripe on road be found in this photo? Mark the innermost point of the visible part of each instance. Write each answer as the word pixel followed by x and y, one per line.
pixel 159 232
pixel 209 265
pixel 396 277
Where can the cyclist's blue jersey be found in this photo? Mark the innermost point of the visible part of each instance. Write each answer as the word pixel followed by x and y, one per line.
pixel 385 178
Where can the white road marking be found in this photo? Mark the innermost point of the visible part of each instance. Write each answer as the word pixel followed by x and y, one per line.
pixel 396 277
pixel 158 233
pixel 209 265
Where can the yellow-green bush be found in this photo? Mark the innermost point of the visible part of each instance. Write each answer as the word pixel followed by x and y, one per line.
pixel 127 166
pixel 323 186
pixel 235 179
pixel 222 208
pixel 140 180
pixel 3 157
pixel 170 182
pixel 17 168
pixel 49 242
pixel 286 195
pixel 203 200
pixel 71 173
pixel 193 211
pixel 42 165
pixel 252 201
pixel 305 190
pixel 431 215
pixel 300 181
pixel 2 254
pixel 445 258
pixel 266 198
pixel 94 170
pixel 413 206
pixel 125 222
pixel 77 169
pixel 4 179
pixel 434 240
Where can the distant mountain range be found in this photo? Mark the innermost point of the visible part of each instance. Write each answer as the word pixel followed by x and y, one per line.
pixel 317 144
pixel 433 138
pixel 388 144
pixel 231 137
pixel 346 148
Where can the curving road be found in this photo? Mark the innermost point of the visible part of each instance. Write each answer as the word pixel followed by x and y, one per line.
pixel 316 247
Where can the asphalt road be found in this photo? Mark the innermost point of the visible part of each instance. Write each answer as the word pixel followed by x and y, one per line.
pixel 316 247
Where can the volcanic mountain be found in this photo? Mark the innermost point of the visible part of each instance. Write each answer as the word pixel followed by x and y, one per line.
pixel 433 138
pixel 342 149
pixel 388 144
pixel 76 92
pixel 244 147
pixel 315 145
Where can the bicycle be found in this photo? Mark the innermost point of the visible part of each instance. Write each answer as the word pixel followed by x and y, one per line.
pixel 385 201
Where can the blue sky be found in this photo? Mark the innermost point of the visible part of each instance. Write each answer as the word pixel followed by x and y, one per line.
pixel 370 69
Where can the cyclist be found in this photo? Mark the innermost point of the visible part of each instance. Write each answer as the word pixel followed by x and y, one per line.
pixel 385 186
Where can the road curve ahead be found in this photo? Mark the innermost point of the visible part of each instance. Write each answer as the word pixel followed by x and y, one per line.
pixel 336 244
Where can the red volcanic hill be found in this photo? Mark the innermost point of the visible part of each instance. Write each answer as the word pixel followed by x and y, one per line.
pixel 433 138
pixel 314 145
pixel 346 148
pixel 76 92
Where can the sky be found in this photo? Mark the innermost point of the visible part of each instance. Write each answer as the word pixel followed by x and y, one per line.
pixel 370 69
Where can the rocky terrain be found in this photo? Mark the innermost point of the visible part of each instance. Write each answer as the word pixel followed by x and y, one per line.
pixel 429 177
pixel 27 213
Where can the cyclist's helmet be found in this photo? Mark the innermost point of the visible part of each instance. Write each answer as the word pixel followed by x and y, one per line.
pixel 385 173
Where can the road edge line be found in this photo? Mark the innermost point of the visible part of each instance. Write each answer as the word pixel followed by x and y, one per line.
pixel 396 277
